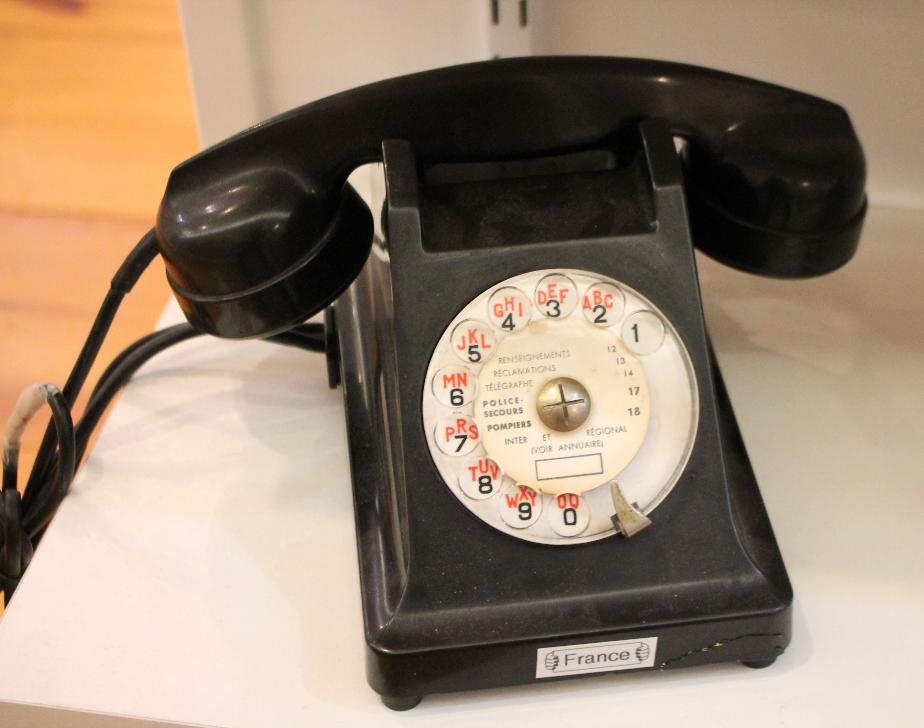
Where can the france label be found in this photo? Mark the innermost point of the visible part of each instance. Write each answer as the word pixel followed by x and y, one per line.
pixel 596 657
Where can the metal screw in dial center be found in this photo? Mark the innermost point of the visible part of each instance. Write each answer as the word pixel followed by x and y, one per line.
pixel 563 404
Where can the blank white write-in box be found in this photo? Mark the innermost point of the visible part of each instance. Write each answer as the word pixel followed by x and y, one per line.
pixel 569 467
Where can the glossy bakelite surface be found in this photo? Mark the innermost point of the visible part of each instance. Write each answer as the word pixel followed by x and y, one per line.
pixel 776 177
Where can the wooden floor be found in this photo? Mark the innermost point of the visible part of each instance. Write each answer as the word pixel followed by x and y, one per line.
pixel 96 110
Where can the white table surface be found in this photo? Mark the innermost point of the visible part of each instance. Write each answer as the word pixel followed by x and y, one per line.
pixel 203 570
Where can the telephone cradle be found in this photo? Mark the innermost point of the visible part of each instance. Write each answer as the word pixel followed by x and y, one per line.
pixel 549 481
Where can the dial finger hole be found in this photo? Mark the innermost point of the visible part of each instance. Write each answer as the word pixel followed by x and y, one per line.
pixel 481 478
pixel 520 505
pixel 603 304
pixel 556 296
pixel 568 514
pixel 454 386
pixel 643 332
pixel 509 309
pixel 456 435
pixel 473 342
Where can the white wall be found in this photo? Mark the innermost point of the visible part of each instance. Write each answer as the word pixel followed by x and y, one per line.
pixel 866 55
pixel 250 59
pixel 253 58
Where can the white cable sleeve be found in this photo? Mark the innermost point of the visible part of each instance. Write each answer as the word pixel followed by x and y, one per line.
pixel 30 401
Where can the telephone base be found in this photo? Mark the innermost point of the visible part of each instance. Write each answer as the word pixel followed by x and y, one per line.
pixel 740 612
pixel 451 604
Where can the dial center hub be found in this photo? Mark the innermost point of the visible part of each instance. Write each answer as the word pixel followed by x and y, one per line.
pixel 563 404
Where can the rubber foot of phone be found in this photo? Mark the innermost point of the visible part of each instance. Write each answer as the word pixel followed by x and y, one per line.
pixel 400 703
pixel 759 664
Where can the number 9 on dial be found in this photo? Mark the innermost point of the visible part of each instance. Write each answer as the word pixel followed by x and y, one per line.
pixel 520 505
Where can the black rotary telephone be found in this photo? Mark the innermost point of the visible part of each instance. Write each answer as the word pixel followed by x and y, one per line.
pixel 549 480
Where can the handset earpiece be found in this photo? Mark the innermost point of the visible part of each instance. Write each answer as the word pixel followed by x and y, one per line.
pixel 780 190
pixel 255 253
pixel 262 231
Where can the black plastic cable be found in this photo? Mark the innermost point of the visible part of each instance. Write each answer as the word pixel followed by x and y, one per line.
pixel 120 357
pixel 122 283
pixel 117 374
pixel 306 336
pixel 10 472
pixel 127 363
pixel 116 377
pixel 36 517
pixel 63 445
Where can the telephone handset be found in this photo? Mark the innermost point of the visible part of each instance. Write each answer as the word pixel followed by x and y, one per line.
pixel 548 477
pixel 260 230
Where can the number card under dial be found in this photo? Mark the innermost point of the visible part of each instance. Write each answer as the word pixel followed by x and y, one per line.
pixel 548 387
